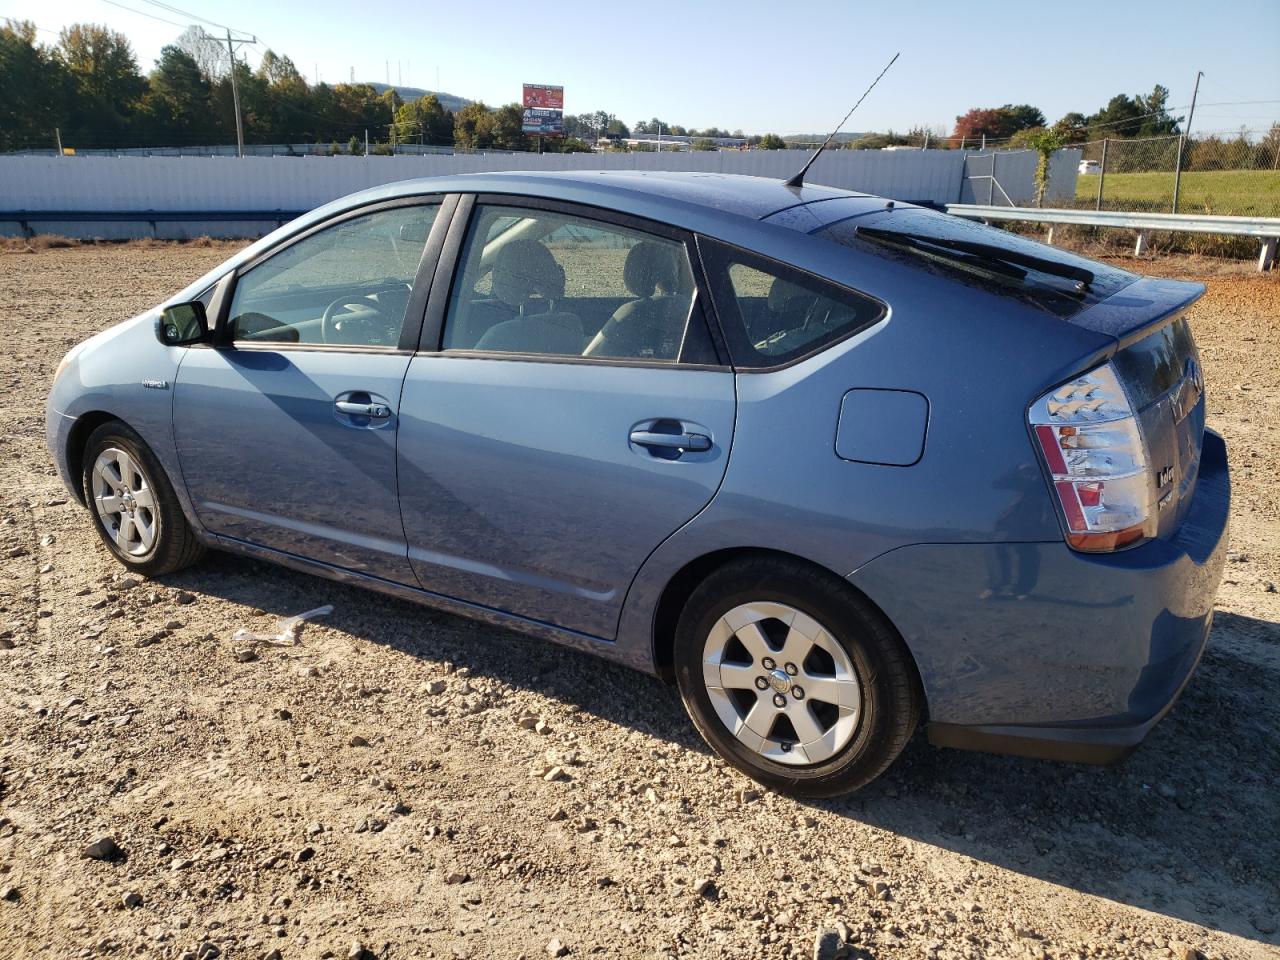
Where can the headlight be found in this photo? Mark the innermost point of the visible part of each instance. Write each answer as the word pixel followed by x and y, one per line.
pixel 71 354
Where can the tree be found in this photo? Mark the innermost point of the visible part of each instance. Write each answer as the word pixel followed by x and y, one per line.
pixel 108 84
pixel 425 118
pixel 508 128
pixel 978 123
pixel 1157 122
pixel 1121 117
pixel 704 143
pixel 210 55
pixel 998 123
pixel 1073 128
pixel 473 127
pixel 176 104
pixel 34 89
pixel 1021 116
pixel 771 141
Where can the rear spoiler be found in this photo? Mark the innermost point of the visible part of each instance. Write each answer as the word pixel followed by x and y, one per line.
pixel 1139 309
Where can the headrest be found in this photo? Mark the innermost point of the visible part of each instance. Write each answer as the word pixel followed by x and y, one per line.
pixel 649 268
pixel 785 296
pixel 523 269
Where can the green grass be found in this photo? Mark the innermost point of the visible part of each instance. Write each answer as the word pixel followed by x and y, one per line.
pixel 1241 193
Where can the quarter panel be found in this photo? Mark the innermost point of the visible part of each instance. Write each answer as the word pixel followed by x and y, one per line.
pixel 978 480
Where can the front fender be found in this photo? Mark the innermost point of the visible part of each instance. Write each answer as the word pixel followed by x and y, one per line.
pixel 126 374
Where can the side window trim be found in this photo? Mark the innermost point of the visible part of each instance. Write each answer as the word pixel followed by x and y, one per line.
pixel 449 273
pixel 225 289
pixel 717 257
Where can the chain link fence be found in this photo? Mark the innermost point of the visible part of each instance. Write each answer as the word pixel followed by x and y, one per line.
pixel 1236 174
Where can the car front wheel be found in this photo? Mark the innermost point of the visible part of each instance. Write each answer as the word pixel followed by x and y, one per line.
pixel 135 510
pixel 794 678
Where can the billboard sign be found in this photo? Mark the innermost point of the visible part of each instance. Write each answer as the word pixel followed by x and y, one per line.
pixel 543 97
pixel 545 123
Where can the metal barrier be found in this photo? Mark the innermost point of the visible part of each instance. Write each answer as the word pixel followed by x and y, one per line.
pixel 1265 229
pixel 24 218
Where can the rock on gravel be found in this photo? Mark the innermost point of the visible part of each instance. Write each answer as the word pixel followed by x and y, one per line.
pixel 556 949
pixel 105 849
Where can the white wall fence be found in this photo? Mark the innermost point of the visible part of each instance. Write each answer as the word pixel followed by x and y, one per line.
pixel 126 186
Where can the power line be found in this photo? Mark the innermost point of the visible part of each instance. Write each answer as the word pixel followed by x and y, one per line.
pixel 143 13
pixel 186 13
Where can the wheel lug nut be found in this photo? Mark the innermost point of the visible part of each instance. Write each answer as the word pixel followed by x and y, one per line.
pixel 762 683
pixel 779 700
pixel 791 669
pixel 768 663
pixel 798 692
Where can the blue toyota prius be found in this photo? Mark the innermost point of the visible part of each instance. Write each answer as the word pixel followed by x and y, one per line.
pixel 834 465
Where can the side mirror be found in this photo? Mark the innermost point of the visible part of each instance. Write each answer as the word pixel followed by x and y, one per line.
pixel 182 324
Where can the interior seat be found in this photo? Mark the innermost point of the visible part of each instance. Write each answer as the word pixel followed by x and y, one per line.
pixel 528 279
pixel 651 326
pixel 789 307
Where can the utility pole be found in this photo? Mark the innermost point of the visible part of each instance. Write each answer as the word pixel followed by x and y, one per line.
pixel 57 136
pixel 235 85
pixel 1182 142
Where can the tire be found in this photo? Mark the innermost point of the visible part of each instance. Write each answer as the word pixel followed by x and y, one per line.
pixel 865 695
pixel 150 533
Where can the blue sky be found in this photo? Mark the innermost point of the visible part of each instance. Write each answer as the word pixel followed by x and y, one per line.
pixel 786 67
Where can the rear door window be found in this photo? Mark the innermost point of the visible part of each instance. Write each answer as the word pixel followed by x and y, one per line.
pixel 972 253
pixel 539 281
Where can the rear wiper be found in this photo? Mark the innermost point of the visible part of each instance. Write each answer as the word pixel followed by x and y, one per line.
pixel 1083 278
pixel 985 266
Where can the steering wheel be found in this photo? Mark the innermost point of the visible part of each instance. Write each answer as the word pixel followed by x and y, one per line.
pixel 365 319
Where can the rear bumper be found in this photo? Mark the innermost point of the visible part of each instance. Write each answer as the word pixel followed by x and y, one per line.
pixel 1036 650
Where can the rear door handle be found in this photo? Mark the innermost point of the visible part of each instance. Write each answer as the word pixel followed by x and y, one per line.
pixel 693 442
pixel 375 411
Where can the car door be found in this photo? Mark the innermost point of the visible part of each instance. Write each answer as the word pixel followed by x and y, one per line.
pixel 286 427
pixel 575 415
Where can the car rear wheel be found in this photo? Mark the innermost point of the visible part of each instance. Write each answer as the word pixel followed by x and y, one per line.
pixel 794 678
pixel 135 510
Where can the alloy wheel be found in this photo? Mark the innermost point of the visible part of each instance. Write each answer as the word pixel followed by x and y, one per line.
pixel 781 683
pixel 125 502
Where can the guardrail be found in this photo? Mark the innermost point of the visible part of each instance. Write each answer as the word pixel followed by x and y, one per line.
pixel 1264 229
pixel 24 218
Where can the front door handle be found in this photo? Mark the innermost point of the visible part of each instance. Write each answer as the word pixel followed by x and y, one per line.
pixel 375 411
pixel 693 442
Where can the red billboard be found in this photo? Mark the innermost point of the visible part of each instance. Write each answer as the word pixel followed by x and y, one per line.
pixel 541 96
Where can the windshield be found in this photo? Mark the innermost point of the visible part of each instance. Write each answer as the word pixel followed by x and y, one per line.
pixel 994 260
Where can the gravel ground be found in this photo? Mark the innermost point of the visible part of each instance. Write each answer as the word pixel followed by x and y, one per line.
pixel 402 783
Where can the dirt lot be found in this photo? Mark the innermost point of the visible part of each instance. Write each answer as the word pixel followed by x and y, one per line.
pixel 374 789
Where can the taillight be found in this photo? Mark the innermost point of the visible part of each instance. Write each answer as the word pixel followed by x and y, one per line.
pixel 1097 460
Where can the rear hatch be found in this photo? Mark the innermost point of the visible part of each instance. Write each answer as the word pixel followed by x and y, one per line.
pixel 1156 358
pixel 1159 366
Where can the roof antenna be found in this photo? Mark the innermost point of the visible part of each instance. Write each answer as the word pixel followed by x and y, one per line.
pixel 798 179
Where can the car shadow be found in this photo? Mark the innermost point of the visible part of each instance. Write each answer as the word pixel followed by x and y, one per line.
pixel 1186 827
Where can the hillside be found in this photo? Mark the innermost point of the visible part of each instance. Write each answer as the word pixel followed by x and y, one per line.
pixel 449 101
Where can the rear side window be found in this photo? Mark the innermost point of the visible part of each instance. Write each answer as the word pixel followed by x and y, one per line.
pixel 972 253
pixel 774 314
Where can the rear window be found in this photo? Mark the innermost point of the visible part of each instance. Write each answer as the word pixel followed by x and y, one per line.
pixel 971 253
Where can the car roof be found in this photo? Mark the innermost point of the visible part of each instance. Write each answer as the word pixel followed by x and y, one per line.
pixel 681 198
